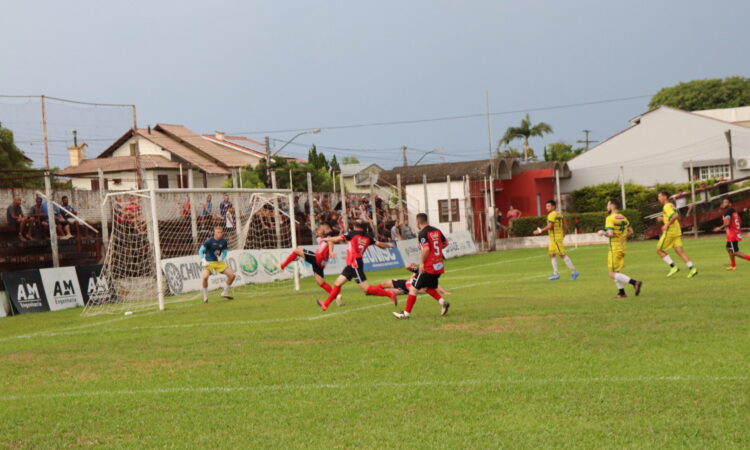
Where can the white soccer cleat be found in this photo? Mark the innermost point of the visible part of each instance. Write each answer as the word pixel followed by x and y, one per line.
pixel 338 300
pixel 227 296
pixel 400 315
pixel 205 299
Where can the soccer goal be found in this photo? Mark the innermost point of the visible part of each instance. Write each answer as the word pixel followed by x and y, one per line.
pixel 152 249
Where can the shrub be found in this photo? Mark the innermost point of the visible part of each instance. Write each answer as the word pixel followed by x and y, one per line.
pixel 594 198
pixel 589 222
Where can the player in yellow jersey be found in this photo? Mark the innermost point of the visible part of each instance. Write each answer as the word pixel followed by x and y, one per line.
pixel 556 230
pixel 617 228
pixel 671 237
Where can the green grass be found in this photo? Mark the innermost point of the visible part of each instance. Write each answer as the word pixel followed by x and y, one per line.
pixel 519 361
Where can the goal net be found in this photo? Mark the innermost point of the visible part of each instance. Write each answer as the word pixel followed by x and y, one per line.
pixel 152 250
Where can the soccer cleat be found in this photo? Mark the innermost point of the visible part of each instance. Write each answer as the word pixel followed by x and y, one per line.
pixel 554 276
pixel 444 309
pixel 205 299
pixel 322 306
pixel 620 296
pixel 227 296
pixel 730 268
pixel 637 286
pixel 400 315
pixel 393 297
pixel 574 275
pixel 672 271
pixel 338 300
pixel 693 272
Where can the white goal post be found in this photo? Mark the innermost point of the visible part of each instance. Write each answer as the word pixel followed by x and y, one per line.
pixel 154 236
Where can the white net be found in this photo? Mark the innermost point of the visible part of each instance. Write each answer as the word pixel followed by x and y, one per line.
pixel 258 226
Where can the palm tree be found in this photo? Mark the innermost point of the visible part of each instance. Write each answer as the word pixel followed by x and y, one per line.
pixel 508 152
pixel 525 131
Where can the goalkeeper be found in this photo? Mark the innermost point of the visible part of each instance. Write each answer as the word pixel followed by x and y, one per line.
pixel 213 254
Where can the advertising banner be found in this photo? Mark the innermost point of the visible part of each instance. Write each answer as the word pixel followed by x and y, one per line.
pixel 459 244
pixel 4 305
pixel 61 288
pixel 90 281
pixel 183 274
pixel 26 291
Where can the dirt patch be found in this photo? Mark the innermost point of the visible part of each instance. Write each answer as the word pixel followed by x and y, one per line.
pixel 24 356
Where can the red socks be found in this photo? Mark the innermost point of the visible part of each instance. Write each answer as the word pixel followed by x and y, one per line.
pixel 377 290
pixel 433 293
pixel 745 257
pixel 326 287
pixel 410 301
pixel 732 263
pixel 289 260
pixel 332 295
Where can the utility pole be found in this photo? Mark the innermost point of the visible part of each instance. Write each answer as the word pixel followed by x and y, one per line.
pixel 586 141
pixel 268 160
pixel 403 155
pixel 138 172
pixel 489 130
pixel 728 135
pixel 44 130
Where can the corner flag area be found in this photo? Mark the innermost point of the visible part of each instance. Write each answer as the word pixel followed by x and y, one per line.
pixel 518 361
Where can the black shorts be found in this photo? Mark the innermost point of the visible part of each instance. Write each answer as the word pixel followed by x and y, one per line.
pixel 426 280
pixel 733 246
pixel 313 261
pixel 400 285
pixel 356 274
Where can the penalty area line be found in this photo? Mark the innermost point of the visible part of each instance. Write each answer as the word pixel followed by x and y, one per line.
pixel 386 385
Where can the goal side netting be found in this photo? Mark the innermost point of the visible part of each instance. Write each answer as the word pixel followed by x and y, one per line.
pixel 152 257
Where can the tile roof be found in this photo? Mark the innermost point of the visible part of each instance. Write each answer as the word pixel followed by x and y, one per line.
pixel 214 151
pixel 118 164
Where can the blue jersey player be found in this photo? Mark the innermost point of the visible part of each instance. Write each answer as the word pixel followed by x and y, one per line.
pixel 213 254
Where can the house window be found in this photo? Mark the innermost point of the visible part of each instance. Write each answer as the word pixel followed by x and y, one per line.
pixel 95 184
pixel 132 149
pixel 443 207
pixel 706 172
pixel 183 181
pixel 162 181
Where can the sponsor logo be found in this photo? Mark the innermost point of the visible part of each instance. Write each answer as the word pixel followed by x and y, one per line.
pixel 270 263
pixel 28 294
pixel 376 255
pixel 64 292
pixel 174 278
pixel 248 264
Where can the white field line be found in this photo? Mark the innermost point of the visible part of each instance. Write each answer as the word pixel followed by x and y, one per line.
pixel 386 385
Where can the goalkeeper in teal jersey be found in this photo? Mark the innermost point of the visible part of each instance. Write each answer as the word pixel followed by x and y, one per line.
pixel 213 254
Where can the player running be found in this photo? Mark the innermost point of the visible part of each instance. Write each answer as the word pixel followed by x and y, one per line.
pixel 671 237
pixel 318 258
pixel 732 224
pixel 213 254
pixel 432 243
pixel 556 231
pixel 358 241
pixel 617 228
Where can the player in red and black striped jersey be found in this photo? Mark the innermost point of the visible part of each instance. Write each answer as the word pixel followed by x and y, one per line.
pixel 432 242
pixel 357 242
pixel 318 258
pixel 401 287
pixel 732 224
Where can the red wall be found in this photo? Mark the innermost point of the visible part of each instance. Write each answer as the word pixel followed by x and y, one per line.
pixel 520 191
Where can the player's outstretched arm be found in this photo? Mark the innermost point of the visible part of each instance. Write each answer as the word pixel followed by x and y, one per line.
pixel 202 254
pixel 334 239
pixel 723 225
pixel 384 244
pixel 542 230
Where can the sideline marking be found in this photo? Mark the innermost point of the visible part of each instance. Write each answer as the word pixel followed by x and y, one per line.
pixel 416 384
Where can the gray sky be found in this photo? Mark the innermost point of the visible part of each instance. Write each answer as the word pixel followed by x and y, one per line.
pixel 244 66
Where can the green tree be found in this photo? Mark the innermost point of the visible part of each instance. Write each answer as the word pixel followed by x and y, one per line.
pixel 335 165
pixel 508 152
pixel 560 151
pixel 11 157
pixel 525 131
pixel 711 93
pixel 349 160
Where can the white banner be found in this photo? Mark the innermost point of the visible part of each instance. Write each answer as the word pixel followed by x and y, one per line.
pixel 183 274
pixel 61 286
pixel 4 305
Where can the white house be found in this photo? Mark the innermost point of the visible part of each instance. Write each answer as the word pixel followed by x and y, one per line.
pixel 167 152
pixel 659 144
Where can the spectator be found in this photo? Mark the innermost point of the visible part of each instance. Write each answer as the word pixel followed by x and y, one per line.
pixel 68 208
pixel 224 206
pixel 406 232
pixel 499 218
pixel 117 209
pixel 186 208
pixel 16 218
pixel 512 215
pixel 395 232
pixel 37 218
pixel 61 226
pixel 208 207
pixel 131 214
pixel 680 199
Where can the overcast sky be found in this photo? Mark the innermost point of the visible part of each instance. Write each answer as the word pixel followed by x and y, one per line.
pixel 251 66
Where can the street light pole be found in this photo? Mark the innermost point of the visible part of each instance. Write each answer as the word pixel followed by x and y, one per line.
pixel 431 151
pixel 313 131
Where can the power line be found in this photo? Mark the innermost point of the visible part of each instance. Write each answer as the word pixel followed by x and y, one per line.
pixel 458 117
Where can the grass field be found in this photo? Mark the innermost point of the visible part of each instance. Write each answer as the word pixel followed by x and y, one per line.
pixel 519 361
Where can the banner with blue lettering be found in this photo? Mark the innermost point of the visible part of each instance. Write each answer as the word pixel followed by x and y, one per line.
pixel 376 258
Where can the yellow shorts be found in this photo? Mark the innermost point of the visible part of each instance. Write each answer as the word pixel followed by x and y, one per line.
pixel 615 260
pixel 556 248
pixel 666 242
pixel 216 267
